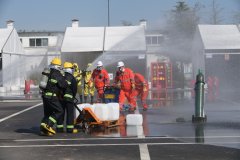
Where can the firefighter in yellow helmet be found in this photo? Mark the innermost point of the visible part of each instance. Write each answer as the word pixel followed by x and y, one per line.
pixel 68 100
pixel 88 84
pixel 78 75
pixel 56 84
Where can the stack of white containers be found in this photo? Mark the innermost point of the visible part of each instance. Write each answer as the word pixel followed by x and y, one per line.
pixel 105 112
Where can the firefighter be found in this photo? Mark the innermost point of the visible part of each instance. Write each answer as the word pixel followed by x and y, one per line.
pixel 100 78
pixel 125 81
pixel 78 75
pixel 141 89
pixel 88 84
pixel 56 84
pixel 68 100
pixel 216 86
pixel 210 85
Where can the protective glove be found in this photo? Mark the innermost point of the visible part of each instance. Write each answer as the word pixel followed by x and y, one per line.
pixel 144 88
pixel 133 86
pixel 117 85
pixel 106 86
pixel 90 83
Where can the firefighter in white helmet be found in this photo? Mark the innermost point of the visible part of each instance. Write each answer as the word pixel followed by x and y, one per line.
pixel 101 79
pixel 125 80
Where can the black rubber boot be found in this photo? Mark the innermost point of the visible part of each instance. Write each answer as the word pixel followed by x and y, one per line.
pixel 60 130
pixel 81 100
pixel 91 99
pixel 85 99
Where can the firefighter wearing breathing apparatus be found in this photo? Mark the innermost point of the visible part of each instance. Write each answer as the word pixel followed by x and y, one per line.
pixel 125 81
pixel 101 79
pixel 78 75
pixel 68 100
pixel 55 86
pixel 88 84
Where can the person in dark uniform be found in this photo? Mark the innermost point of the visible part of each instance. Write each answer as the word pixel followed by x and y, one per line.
pixel 68 100
pixel 56 84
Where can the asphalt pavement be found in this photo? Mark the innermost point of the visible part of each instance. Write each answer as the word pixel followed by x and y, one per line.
pixel 167 133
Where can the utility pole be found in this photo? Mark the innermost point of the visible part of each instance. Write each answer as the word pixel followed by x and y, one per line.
pixel 108 14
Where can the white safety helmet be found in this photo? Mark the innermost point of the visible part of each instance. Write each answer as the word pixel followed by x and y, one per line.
pixel 120 64
pixel 99 64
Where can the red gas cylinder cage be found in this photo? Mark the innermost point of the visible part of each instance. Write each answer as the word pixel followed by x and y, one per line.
pixel 27 86
pixel 161 79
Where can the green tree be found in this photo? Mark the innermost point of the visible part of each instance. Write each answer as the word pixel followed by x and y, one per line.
pixel 126 23
pixel 181 27
pixel 183 20
pixel 215 17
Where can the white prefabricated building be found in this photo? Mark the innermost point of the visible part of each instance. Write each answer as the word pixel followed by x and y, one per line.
pixel 217 53
pixel 12 72
pixel 85 45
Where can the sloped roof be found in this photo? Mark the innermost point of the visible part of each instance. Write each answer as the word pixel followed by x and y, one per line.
pixel 4 34
pixel 10 42
pixel 90 39
pixel 83 39
pixel 220 37
pixel 125 38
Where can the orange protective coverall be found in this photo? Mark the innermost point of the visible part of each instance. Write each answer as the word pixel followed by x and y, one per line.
pixel 126 81
pixel 100 79
pixel 141 88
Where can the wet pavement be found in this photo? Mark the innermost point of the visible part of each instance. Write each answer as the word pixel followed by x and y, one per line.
pixel 19 95
pixel 167 133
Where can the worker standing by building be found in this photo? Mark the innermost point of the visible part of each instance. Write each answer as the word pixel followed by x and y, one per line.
pixel 141 89
pixel 78 75
pixel 125 81
pixel 68 100
pixel 101 79
pixel 88 84
pixel 56 84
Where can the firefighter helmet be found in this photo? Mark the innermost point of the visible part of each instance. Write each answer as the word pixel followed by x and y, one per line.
pixel 89 64
pixel 75 65
pixel 56 61
pixel 99 64
pixel 68 65
pixel 120 64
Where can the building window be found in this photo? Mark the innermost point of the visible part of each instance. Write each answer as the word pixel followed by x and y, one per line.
pixel 38 42
pixel 154 40
pixel 32 42
pixel 45 42
pixel 148 40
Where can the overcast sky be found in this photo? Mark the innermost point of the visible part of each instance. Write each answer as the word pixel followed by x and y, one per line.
pixel 57 14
